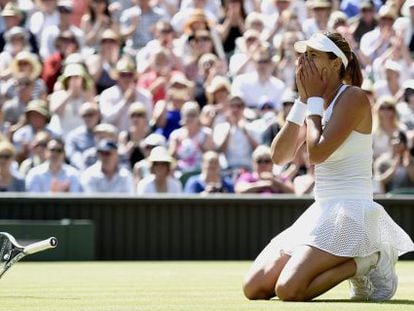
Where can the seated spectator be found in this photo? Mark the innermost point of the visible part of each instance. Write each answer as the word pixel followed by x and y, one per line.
pixel 161 179
pixel 24 64
pixel 262 179
pixel 395 170
pixel 188 143
pixel 9 180
pixel 14 17
pixel 210 180
pixel 115 101
pixel 37 119
pixel 235 138
pixel 66 44
pixel 251 87
pixel 167 113
pixel 143 168
pixel 16 42
pixel 65 103
pixel 37 152
pixel 54 175
pixel 218 101
pixel 82 138
pixel 106 175
pixel 103 63
pixel 101 131
pixel 131 141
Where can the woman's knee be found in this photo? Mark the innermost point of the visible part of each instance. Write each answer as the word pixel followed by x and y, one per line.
pixel 254 291
pixel 290 291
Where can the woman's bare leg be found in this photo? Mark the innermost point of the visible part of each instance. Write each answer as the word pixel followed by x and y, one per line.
pixel 310 272
pixel 260 280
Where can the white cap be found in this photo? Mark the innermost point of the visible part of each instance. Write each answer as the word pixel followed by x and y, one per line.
pixel 320 42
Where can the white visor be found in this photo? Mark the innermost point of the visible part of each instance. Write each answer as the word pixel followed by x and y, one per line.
pixel 320 42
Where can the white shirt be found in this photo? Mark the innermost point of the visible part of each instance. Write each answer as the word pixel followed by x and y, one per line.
pixel 147 185
pixel 39 178
pixel 40 21
pixel 253 92
pixel 93 180
pixel 48 37
pixel 114 109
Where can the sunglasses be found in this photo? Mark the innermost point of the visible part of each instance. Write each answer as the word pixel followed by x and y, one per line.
pixel 105 153
pixel 41 144
pixel 237 105
pixel 387 108
pixel 138 115
pixel 263 161
pixel 162 163
pixel 56 150
pixel 126 74
pixel 5 156
pixel 203 39
pixel 263 61
pixel 89 115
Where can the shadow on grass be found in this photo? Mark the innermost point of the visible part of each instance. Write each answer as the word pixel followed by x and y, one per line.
pixel 391 302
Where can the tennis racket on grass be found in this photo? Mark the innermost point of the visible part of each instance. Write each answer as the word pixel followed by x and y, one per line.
pixel 11 251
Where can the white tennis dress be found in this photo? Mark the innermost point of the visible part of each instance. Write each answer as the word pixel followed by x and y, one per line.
pixel 344 220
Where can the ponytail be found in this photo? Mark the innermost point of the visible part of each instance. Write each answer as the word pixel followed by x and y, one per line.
pixel 353 74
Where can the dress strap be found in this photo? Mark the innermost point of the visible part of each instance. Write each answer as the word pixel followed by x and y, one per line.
pixel 328 111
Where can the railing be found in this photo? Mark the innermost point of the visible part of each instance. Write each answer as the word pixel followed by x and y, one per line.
pixel 180 227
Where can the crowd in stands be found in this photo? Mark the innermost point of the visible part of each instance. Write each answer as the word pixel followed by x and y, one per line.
pixel 170 96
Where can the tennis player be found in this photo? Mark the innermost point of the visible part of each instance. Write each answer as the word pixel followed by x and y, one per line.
pixel 344 234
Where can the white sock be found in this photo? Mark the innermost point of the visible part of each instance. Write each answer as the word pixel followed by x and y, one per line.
pixel 364 264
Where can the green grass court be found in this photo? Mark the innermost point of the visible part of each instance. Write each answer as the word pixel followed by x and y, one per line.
pixel 152 286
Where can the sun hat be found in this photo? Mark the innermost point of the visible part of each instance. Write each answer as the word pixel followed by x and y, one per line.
pixel 11 9
pixel 387 11
pixel 72 70
pixel 322 43
pixel 160 154
pixel 109 34
pixel 218 83
pixel 39 106
pixel 88 107
pixel 320 4
pixel 26 56
pixel 180 78
pixel 137 107
pixel 16 31
pixel 105 128
pixel 155 139
pixel 106 145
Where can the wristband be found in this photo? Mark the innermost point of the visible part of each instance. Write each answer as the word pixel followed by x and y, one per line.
pixel 297 113
pixel 315 106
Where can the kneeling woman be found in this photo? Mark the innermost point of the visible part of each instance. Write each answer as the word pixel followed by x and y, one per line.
pixel 344 234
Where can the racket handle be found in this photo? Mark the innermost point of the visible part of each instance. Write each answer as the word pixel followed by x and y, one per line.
pixel 40 246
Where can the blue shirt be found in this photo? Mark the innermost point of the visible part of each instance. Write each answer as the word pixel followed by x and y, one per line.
pixel 77 141
pixel 195 184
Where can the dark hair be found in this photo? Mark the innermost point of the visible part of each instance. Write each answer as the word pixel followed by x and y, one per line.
pixel 408 92
pixel 352 74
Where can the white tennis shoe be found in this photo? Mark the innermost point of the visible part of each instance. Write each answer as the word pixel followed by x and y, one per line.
pixel 360 288
pixel 383 277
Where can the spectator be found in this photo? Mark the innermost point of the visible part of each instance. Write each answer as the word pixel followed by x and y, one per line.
pixel 49 35
pixel 66 44
pixel 102 131
pixel 37 152
pixel 101 65
pixel 395 169
pixel 167 113
pixel 161 179
pixel 16 40
pixel 37 118
pixel 44 17
pixel 53 175
pixel 404 26
pixel 321 10
pixel 164 36
pixel 143 168
pixel 235 137
pixel 9 180
pixel 375 42
pixel 366 21
pixel 96 22
pixel 13 17
pixel 405 108
pixel 385 125
pixel 218 93
pixel 82 138
pixel 24 64
pixel 14 108
pixel 106 175
pixel 232 25
pixel 188 143
pixel 262 179
pixel 260 85
pixel 137 23
pixel 64 104
pixel 115 101
pixel 209 180
pixel 131 141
